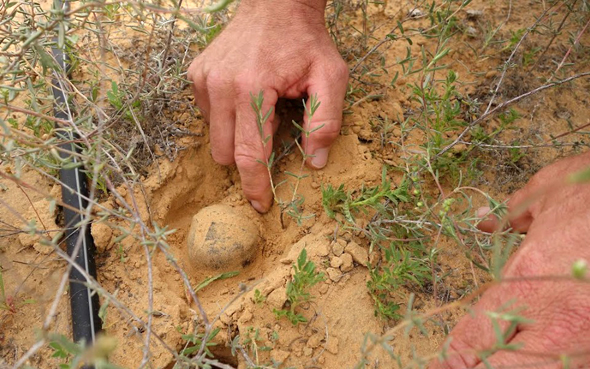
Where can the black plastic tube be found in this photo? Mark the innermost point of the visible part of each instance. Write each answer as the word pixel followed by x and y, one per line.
pixel 84 304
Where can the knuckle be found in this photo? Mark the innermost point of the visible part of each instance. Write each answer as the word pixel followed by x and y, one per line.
pixel 457 357
pixel 245 159
pixel 220 157
pixel 577 306
pixel 243 84
pixel 330 129
pixel 341 70
pixel 216 80
pixel 195 70
pixel 523 271
pixel 335 71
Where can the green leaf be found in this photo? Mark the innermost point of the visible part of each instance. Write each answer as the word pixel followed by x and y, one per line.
pixel 102 312
pixel 317 128
pixel 298 126
pixel 581 176
pixel 218 6
pixel 302 259
pixel 210 280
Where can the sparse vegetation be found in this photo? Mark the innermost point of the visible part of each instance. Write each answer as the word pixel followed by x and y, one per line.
pixel 454 104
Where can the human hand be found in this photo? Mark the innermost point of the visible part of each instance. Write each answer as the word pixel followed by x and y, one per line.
pixel 556 220
pixel 280 47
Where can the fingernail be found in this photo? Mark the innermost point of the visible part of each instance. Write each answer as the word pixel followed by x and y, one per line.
pixel 483 211
pixel 320 158
pixel 259 208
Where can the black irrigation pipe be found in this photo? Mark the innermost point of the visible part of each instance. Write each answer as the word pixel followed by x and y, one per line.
pixel 84 303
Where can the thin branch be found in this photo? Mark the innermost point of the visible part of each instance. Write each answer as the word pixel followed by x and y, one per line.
pixel 504 105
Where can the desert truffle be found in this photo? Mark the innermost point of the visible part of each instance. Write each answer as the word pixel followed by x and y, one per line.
pixel 222 239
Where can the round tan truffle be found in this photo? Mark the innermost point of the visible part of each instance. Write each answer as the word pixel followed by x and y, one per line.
pixel 221 239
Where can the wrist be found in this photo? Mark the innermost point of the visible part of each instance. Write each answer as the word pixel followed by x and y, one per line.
pixel 285 10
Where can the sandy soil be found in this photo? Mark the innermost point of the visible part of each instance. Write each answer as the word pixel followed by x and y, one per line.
pixel 342 313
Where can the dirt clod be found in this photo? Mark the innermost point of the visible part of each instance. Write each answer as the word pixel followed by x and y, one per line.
pixel 347 264
pixel 280 356
pixel 102 235
pixel 358 254
pixel 277 298
pixel 315 340
pixel 221 239
pixel 334 274
pixel 338 247
pixel 336 262
pixel 332 345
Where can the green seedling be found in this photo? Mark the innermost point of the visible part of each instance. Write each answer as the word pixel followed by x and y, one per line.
pixel 196 340
pixel 304 278
pixel 8 302
pixel 77 355
pixel 117 98
pixel 259 298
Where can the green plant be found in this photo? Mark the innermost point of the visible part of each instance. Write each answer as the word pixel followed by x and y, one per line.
pixel 117 98
pixel 196 340
pixel 8 302
pixel 217 277
pixel 400 268
pixel 254 342
pixel 259 298
pixel 305 276
pixel 76 355
pixel 337 200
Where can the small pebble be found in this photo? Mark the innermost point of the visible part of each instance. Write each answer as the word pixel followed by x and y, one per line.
pixel 474 13
pixel 415 13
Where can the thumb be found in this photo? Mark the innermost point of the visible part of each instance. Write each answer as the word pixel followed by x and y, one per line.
pixel 323 116
pixel 525 204
pixel 518 217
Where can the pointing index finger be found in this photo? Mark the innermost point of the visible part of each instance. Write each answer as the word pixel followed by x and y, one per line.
pixel 253 145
